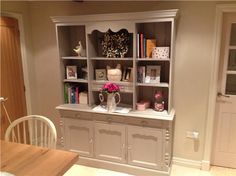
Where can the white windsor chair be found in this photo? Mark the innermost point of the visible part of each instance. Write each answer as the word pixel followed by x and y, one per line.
pixel 34 130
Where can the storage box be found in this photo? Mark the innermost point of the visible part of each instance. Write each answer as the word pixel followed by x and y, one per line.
pixel 83 98
pixel 161 52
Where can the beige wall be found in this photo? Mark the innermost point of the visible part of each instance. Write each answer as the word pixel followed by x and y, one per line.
pixel 192 70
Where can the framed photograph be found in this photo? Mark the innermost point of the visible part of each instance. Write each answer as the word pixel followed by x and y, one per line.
pixel 101 74
pixel 153 74
pixel 71 72
pixel 127 74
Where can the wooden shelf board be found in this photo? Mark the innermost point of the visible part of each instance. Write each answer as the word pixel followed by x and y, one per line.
pixel 73 57
pixel 116 82
pixel 154 84
pixel 112 59
pixel 229 72
pixel 121 91
pixel 232 47
pixel 76 80
pixel 152 59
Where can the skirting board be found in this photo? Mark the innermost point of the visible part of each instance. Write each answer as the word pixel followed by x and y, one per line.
pixel 204 165
pixel 134 170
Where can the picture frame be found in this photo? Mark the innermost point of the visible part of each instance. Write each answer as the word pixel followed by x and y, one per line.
pixel 153 74
pixel 100 74
pixel 127 74
pixel 71 72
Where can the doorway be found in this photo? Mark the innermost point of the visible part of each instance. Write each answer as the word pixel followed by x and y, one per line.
pixel 12 79
pixel 224 151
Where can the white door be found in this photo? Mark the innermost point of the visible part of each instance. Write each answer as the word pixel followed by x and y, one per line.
pixel 225 141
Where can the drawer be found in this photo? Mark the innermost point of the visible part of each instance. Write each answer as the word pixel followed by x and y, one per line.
pixel 108 118
pixel 76 114
pixel 144 122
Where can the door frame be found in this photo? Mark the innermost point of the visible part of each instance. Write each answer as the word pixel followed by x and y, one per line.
pixel 24 58
pixel 207 154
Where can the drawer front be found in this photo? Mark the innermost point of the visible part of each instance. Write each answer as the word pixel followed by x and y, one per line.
pixel 144 122
pixel 76 114
pixel 110 118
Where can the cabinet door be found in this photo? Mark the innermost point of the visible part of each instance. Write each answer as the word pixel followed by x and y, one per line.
pixel 145 147
pixel 79 136
pixel 110 142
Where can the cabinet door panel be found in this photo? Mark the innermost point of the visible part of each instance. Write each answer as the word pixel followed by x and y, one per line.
pixel 79 136
pixel 110 142
pixel 145 147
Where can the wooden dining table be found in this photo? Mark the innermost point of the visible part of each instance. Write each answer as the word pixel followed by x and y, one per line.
pixel 26 160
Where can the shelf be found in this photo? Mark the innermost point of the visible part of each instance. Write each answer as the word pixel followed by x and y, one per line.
pixel 151 59
pixel 73 58
pixel 154 84
pixel 229 72
pixel 122 90
pixel 76 80
pixel 116 82
pixel 112 59
pixel 232 47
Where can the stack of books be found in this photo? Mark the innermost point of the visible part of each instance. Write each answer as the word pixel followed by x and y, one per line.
pixel 71 94
pixel 145 46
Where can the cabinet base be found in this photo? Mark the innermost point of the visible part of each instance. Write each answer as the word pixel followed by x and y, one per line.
pixel 133 170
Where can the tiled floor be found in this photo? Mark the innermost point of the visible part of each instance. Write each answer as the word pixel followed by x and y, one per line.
pixel 78 170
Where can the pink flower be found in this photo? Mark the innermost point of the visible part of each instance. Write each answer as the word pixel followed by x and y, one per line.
pixel 110 88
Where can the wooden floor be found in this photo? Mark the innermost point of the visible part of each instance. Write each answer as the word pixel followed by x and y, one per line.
pixel 176 171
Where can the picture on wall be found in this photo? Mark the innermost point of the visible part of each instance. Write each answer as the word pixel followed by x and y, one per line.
pixel 71 72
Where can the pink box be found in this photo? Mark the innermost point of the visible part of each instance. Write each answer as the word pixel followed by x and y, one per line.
pixel 141 106
pixel 147 103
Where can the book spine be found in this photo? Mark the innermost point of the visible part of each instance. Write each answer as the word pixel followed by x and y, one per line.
pixel 72 95
pixel 77 95
pixel 69 94
pixel 137 46
pixel 144 47
pixel 141 46
pixel 66 93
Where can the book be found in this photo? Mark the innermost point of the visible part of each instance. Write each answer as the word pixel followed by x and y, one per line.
pixel 141 46
pixel 69 94
pixel 77 95
pixel 137 46
pixel 150 44
pixel 66 93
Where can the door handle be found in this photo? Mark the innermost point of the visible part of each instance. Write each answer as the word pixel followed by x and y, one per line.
pixel 219 94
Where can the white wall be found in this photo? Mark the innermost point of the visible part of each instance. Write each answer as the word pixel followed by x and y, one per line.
pixel 192 70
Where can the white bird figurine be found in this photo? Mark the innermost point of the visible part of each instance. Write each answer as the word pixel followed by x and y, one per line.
pixel 80 50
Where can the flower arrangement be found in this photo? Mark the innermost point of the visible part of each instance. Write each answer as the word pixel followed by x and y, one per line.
pixel 110 88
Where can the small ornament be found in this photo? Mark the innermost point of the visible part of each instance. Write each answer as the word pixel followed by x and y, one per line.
pixel 80 50
pixel 159 102
pixel 114 74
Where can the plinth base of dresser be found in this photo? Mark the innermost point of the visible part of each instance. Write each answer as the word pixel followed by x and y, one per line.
pixel 125 168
